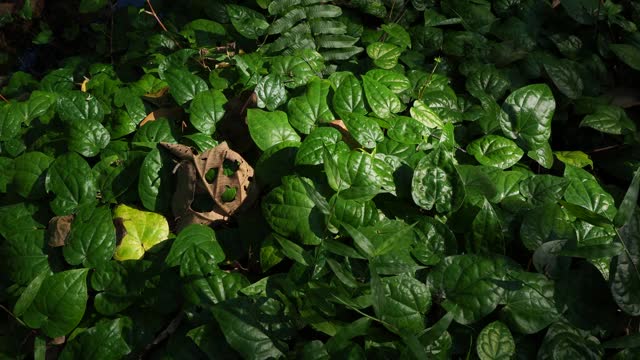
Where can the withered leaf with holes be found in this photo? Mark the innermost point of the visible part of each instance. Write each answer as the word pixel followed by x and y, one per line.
pixel 220 176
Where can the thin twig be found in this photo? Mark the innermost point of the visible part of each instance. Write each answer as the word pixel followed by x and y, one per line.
pixel 4 98
pixel 12 315
pixel 604 148
pixel 153 13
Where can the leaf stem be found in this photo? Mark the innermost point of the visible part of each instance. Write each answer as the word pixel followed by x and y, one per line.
pixel 13 316
pixel 4 98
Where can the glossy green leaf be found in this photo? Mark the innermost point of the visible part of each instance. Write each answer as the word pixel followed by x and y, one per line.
pixel 155 180
pixel 249 23
pixel 104 341
pixel 609 119
pixel 71 180
pixel 348 98
pixel 244 333
pixel 24 253
pixel 434 241
pixel 269 128
pixel 401 302
pixel 78 107
pixel 384 55
pixel 486 233
pixel 625 277
pixel 92 240
pixel 532 307
pixel 395 81
pixel 153 132
pixel 308 110
pixel 541 189
pixel 425 115
pixel 353 170
pixel 495 342
pixel 494 150
pixel 584 190
pixel 563 340
pixel 467 286
pixel 565 76
pixel 545 223
pixel 297 69
pixel 290 212
pixel 30 173
pixel 527 115
pixel 88 137
pixel 629 203
pixel 629 54
pixel 183 85
pixel 574 158
pixel 270 92
pixel 542 155
pixel 488 80
pixel 365 130
pixel 436 182
pixel 207 109
pixel 195 236
pixel 143 230
pixel 408 130
pixel 60 303
pixel 383 102
pixel 311 150
pixel 218 287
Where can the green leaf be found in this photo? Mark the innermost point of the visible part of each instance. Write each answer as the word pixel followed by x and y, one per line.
pixel 383 102
pixel 58 81
pixel 352 170
pixel 395 81
pixel 542 155
pixel 218 287
pixel 29 294
pixel 195 236
pixel 24 254
pixel 298 69
pixel 532 307
pixel 527 115
pixel 249 23
pixel 408 130
pixel 310 109
pixel 291 213
pixel 30 173
pixel 541 189
pixel 425 115
pixel 436 182
pixel 545 223
pixel 155 181
pixel 574 158
pixel 10 121
pixel 629 54
pixel 71 180
pixel 434 240
pixel 183 85
pixel 584 190
pixel 104 341
pixel 467 286
pixel 311 150
pixel 397 34
pixel 60 303
pixel 495 342
pixel 487 80
pixel 244 333
pixel 401 302
pixel 563 340
pixel 269 128
pixel 88 6
pixel 206 109
pixel 38 105
pixel 365 130
pixel 630 201
pixel 583 11
pixel 270 92
pixel 625 274
pixel 76 106
pixel 348 97
pixel 609 119
pixel 153 132
pixel 494 150
pixel 87 138
pixel 487 231
pixel 565 76
pixel 291 250
pixel 143 230
pixel 384 55
pixel 92 240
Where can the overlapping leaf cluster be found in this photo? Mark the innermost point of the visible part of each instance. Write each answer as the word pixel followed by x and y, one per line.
pixel 437 180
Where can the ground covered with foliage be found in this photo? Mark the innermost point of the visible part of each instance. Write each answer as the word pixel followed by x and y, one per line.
pixel 370 179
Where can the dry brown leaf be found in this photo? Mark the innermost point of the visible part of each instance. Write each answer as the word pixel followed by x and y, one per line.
pixel 158 98
pixel 191 173
pixel 170 113
pixel 346 135
pixel 58 229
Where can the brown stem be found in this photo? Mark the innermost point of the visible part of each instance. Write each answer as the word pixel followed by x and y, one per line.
pixel 604 148
pixel 4 98
pixel 153 13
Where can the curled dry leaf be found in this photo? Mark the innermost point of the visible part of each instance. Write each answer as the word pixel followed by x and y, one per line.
pixel 58 229
pixel 169 113
pixel 219 174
